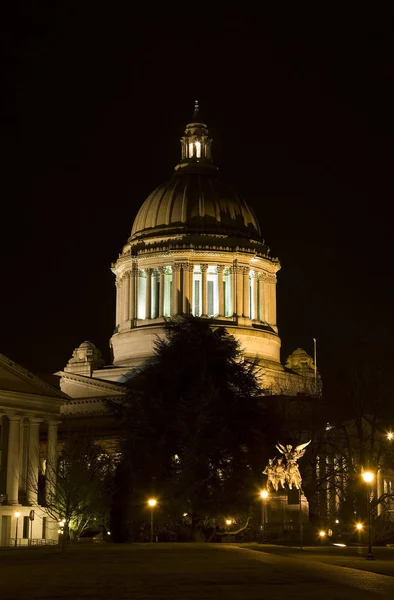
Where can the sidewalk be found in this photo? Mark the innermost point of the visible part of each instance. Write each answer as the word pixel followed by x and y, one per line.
pixel 350 556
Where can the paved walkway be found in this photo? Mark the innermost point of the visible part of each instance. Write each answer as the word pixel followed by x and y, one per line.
pixel 179 572
pixel 312 580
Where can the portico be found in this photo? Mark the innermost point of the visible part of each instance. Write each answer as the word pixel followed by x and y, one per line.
pixel 29 418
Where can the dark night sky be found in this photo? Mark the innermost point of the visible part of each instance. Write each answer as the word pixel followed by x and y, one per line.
pixel 94 105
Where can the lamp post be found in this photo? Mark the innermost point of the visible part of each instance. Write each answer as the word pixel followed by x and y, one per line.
pixel 17 515
pixel 263 527
pixel 152 502
pixel 228 523
pixel 369 477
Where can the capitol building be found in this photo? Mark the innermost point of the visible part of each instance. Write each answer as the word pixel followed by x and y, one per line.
pixel 195 248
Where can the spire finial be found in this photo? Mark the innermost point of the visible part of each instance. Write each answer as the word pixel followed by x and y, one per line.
pixel 196 111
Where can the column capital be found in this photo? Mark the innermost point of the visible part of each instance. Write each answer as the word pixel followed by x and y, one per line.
pixel 14 417
pixel 35 420
pixel 220 268
pixel 204 268
pixel 161 269
pixel 177 266
pixel 53 422
pixel 245 270
pixel 148 270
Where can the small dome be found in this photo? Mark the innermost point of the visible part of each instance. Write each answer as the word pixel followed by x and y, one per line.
pixel 195 201
pixel 87 344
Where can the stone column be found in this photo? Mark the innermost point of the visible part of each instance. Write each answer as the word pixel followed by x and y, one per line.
pixel 148 293
pixel 246 291
pixel 126 296
pixel 260 282
pixel 220 269
pixel 255 315
pixel 161 292
pixel 33 462
pixel 137 283
pixel 50 472
pixel 117 287
pixel 132 302
pixel 270 299
pixel 186 289
pixel 176 280
pixel 273 300
pixel 13 462
pixel 238 291
pixel 204 290
pixel 191 287
pixel 23 454
pixel 266 297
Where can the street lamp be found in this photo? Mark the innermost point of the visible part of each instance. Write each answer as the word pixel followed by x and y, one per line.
pixel 263 527
pixel 322 535
pixel 359 526
pixel 17 515
pixel 152 502
pixel 369 477
pixel 390 436
pixel 229 522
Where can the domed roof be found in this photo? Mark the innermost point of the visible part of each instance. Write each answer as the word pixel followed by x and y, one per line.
pixel 196 200
pixel 87 344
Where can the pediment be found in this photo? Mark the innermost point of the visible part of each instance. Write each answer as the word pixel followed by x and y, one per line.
pixel 17 379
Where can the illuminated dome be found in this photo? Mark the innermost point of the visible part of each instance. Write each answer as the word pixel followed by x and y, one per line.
pixel 196 200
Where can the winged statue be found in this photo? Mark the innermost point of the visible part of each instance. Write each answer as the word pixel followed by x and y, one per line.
pixel 278 473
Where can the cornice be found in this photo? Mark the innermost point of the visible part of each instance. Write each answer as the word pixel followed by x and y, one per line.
pixel 93 382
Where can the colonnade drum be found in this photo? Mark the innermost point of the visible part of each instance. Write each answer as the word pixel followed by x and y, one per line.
pixel 204 290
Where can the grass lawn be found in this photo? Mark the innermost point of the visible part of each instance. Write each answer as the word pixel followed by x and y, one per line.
pixel 353 557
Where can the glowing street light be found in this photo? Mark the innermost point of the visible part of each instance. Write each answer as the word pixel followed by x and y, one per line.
pixel 359 526
pixel 390 436
pixel 322 534
pixel 229 522
pixel 17 514
pixel 369 477
pixel 263 527
pixel 152 502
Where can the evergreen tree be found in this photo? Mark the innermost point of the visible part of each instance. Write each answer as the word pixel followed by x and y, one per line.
pixel 193 425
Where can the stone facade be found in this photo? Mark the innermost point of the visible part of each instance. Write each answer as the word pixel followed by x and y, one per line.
pixel 29 419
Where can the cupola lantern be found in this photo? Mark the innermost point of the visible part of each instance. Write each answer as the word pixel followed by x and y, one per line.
pixel 196 143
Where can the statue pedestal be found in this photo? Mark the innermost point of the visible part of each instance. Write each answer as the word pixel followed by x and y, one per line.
pixel 283 512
